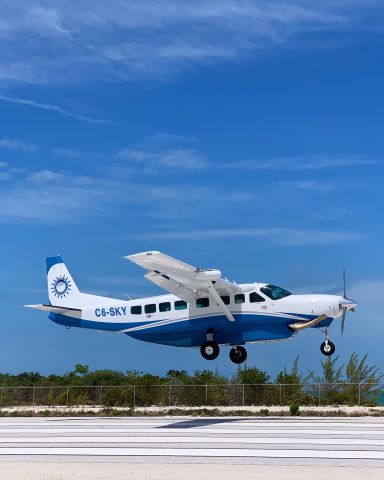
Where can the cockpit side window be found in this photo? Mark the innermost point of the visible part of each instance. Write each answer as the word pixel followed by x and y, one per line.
pixel 274 293
pixel 255 297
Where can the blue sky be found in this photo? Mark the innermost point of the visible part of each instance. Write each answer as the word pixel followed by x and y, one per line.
pixel 241 135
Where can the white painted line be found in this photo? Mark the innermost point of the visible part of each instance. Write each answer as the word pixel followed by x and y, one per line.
pixel 178 430
pixel 196 452
pixel 205 422
pixel 199 439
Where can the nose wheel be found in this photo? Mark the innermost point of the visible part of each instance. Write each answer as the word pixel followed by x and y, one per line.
pixel 327 348
pixel 238 354
pixel 209 350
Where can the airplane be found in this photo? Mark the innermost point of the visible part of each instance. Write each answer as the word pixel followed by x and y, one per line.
pixel 203 309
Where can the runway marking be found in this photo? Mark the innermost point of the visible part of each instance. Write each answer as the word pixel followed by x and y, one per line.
pixel 239 440
pixel 198 430
pixel 212 420
pixel 196 452
pixel 199 439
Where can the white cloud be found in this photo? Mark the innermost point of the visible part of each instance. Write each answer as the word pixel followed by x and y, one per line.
pixel 279 236
pixel 56 109
pixel 180 158
pixel 311 185
pixel 20 145
pixel 45 176
pixel 163 151
pixel 67 152
pixel 71 40
pixel 309 162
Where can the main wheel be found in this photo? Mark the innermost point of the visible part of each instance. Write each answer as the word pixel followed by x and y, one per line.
pixel 210 350
pixel 327 348
pixel 238 354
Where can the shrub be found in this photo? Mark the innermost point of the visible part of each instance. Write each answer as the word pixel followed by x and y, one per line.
pixel 264 412
pixel 294 409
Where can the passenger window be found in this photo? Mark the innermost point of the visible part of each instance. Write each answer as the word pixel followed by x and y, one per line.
pixel 180 305
pixel 226 299
pixel 202 302
pixel 151 308
pixel 165 307
pixel 240 298
pixel 255 297
pixel 136 310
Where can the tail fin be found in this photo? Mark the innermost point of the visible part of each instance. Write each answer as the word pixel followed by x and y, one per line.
pixel 62 289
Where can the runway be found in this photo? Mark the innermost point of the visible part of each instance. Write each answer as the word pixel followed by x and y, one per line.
pixel 292 441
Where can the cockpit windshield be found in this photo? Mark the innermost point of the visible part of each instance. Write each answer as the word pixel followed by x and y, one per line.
pixel 275 293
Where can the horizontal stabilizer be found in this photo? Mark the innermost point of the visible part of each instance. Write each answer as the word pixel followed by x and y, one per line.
pixel 298 326
pixel 73 312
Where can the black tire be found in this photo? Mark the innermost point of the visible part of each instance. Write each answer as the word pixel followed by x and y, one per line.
pixel 209 350
pixel 238 354
pixel 327 348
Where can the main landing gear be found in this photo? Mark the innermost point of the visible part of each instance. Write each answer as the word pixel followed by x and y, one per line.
pixel 327 348
pixel 238 354
pixel 210 350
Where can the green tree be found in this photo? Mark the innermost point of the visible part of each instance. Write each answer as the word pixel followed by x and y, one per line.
pixel 81 370
pixel 291 388
pixel 255 389
pixel 251 376
pixel 362 381
pixel 329 381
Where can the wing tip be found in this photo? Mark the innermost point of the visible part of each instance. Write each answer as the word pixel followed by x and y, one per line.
pixel 140 254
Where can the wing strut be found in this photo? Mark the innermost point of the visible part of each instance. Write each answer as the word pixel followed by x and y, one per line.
pixel 219 301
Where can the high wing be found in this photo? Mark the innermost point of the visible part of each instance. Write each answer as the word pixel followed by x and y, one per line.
pixel 183 280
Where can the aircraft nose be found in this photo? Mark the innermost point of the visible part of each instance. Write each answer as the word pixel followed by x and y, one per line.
pixel 347 303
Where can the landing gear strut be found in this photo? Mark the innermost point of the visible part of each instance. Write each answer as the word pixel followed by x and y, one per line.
pixel 327 348
pixel 238 354
pixel 209 350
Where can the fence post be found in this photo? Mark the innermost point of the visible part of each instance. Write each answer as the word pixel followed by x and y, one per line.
pixel 280 395
pixel 134 396
pixel 243 394
pixel 319 385
pixel 1 396
pixel 33 397
pixel 359 394
pixel 206 394
pixel 169 395
pixel 67 396
pixel 101 394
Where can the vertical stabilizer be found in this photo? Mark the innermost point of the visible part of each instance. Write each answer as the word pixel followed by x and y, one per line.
pixel 62 289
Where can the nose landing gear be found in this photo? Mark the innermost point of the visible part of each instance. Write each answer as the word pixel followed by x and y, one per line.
pixel 327 348
pixel 238 354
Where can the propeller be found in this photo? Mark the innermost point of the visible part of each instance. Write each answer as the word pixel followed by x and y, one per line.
pixel 346 304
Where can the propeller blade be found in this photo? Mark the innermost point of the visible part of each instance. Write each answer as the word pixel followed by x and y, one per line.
pixel 345 293
pixel 343 320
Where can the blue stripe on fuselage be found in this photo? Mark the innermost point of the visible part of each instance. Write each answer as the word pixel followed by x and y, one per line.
pixel 192 332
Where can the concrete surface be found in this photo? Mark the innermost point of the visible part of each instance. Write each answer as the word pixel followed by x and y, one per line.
pixel 185 447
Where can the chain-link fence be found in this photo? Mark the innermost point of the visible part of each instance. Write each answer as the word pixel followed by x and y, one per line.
pixel 195 395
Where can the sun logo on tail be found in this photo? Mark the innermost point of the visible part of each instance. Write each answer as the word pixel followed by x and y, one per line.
pixel 61 286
